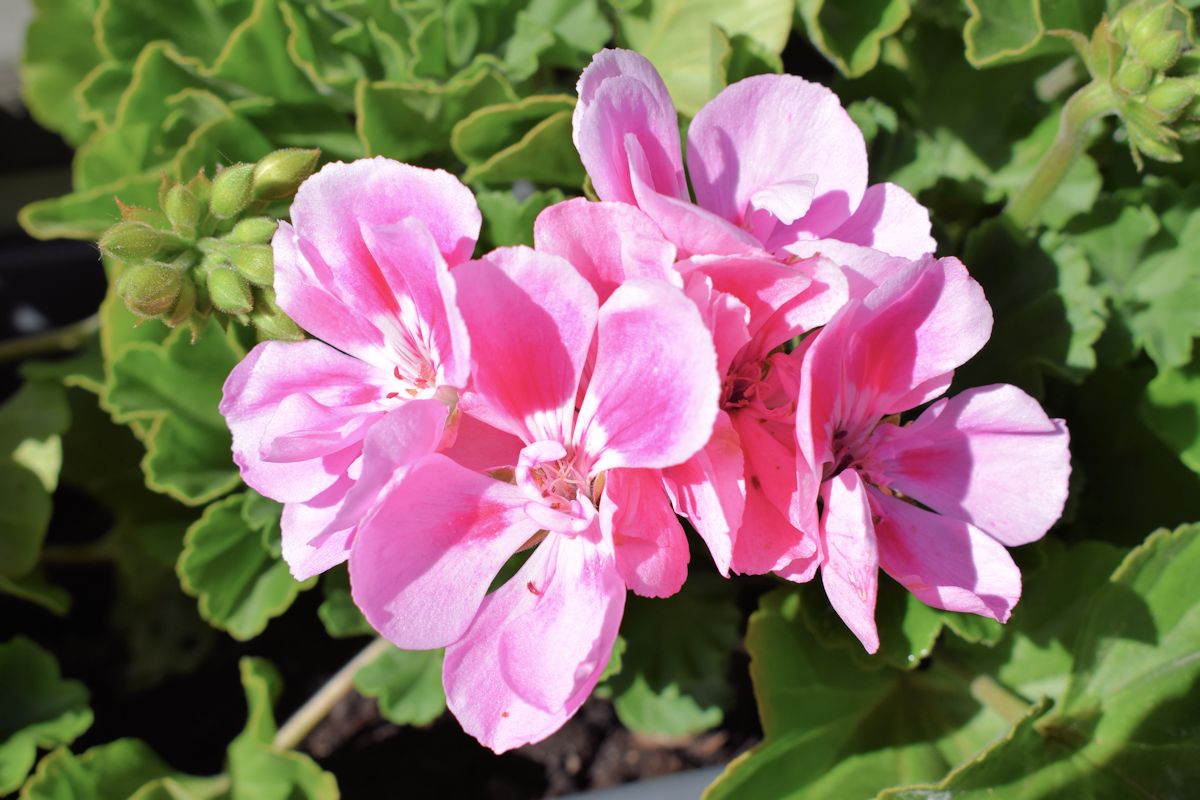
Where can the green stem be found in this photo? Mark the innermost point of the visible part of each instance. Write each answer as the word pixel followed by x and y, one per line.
pixel 997 697
pixel 300 724
pixel 69 337
pixel 1089 103
pixel 96 552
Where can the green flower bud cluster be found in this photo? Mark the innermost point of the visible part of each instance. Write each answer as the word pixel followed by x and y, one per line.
pixel 207 249
pixel 1154 74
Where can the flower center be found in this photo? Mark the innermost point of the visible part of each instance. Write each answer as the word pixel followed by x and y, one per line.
pixel 743 384
pixel 419 379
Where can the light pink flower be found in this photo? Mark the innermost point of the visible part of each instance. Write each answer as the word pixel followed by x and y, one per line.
pixel 364 267
pixel 752 304
pixel 987 467
pixel 521 660
pixel 773 159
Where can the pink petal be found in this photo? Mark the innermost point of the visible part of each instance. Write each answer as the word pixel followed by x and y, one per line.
pixel 309 546
pixel 404 435
pixel 863 268
pixel 307 291
pixel 767 133
pixel 332 204
pixel 538 646
pixel 889 219
pixel 989 456
pixel 607 242
pixel 622 95
pixel 726 317
pixel 851 569
pixel 710 491
pixel 692 229
pixel 252 397
pixel 650 546
pixel 425 328
pixel 422 563
pixel 531 318
pixel 481 448
pixel 947 563
pixel 785 300
pixel 767 541
pixel 655 357
pixel 302 429
pixel 892 351
pixel 770 453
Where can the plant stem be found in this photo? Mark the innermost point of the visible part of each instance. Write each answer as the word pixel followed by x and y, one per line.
pixel 998 698
pixel 300 724
pixel 68 337
pixel 1089 103
pixel 96 552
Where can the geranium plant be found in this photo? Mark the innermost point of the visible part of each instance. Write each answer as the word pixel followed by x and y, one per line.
pixel 880 373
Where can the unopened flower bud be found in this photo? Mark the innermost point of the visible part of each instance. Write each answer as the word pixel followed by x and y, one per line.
pixel 256 263
pixel 1150 24
pixel 279 174
pixel 183 210
pixel 184 304
pixel 231 191
pixel 229 291
pixel 1134 77
pixel 271 321
pixel 150 289
pixel 255 230
pixel 132 241
pixel 1170 97
pixel 1162 51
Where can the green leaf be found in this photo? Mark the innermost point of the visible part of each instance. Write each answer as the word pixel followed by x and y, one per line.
pixel 1048 315
pixel 174 390
pixel 835 726
pixel 407 684
pixel 240 584
pixel 34 588
pixel 59 53
pixel 555 33
pixel 198 28
pixel 117 769
pixel 337 611
pixel 1144 250
pixel 1171 408
pixel 527 140
pixel 256 770
pixel 681 39
pixel 408 121
pixel 673 670
pixel 850 34
pixel 87 214
pixel 24 517
pixel 1126 719
pixel 999 31
pixel 508 221
pixel 37 708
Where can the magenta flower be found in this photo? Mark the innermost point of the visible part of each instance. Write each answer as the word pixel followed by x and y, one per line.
pixel 364 267
pixel 934 503
pixel 773 160
pixel 521 660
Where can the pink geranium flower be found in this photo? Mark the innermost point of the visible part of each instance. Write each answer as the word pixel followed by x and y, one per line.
pixel 752 305
pixel 364 267
pixel 934 503
pixel 773 159
pixel 599 397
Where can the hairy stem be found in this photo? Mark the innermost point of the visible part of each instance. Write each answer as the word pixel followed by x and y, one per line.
pixel 300 724
pixel 999 698
pixel 1089 103
pixel 68 337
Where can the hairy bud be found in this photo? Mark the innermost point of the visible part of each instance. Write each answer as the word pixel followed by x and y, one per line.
pixel 183 210
pixel 255 230
pixel 256 263
pixel 279 174
pixel 231 191
pixel 133 241
pixel 229 291
pixel 149 288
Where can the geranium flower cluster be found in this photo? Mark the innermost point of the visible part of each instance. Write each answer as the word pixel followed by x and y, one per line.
pixel 747 361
